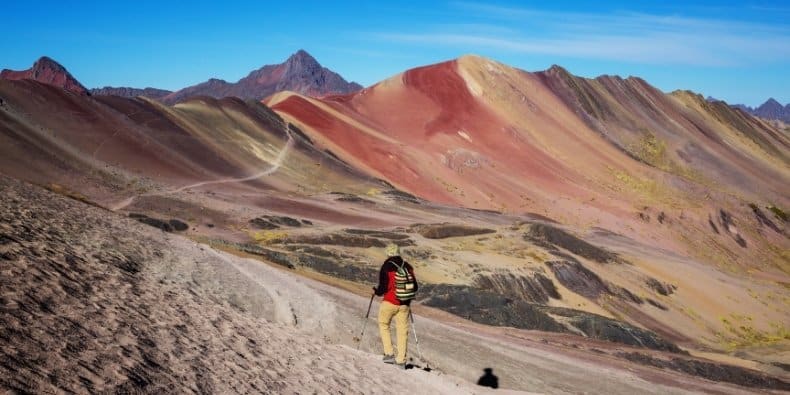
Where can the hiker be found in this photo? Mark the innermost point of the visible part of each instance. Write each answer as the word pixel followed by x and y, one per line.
pixel 398 286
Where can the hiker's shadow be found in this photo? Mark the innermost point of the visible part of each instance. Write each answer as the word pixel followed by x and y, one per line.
pixel 488 379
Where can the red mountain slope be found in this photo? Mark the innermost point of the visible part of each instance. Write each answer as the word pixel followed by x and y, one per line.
pixel 589 152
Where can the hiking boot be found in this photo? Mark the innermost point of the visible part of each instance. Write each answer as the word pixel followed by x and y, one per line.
pixel 401 365
pixel 389 359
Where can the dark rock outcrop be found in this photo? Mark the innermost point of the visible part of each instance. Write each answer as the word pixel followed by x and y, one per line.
pixel 763 219
pixel 274 222
pixel 728 224
pixel 378 233
pixel 342 239
pixel 574 276
pixel 318 259
pixel 662 288
pixel 602 328
pixel 536 289
pixel 487 307
pixel 339 268
pixel 354 199
pixel 491 308
pixel 261 223
pixel 577 278
pixel 551 237
pixel 164 225
pixel 178 225
pixel 402 196
pixel 443 231
pixel 277 257
pixel 657 304
pixel 713 225
pixel 711 371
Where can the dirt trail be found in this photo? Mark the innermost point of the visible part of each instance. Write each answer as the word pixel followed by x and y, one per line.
pixel 274 167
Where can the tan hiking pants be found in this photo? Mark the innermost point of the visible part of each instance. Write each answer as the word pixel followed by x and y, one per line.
pixel 387 311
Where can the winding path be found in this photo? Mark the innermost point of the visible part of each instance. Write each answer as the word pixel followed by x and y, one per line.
pixel 275 166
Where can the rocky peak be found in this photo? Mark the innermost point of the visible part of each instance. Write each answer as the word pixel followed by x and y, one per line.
pixel 557 70
pixel 772 109
pixel 770 104
pixel 302 66
pixel 47 71
pixel 300 73
pixel 44 64
pixel 302 59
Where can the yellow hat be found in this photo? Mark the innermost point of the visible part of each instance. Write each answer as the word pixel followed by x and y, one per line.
pixel 392 250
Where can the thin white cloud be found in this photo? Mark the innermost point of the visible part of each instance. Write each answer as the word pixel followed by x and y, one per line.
pixel 632 37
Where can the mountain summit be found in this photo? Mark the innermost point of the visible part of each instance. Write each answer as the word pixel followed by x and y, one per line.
pixel 300 73
pixel 47 71
pixel 771 109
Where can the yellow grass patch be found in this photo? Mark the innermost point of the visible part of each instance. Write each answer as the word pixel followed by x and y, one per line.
pixel 268 236
pixel 740 333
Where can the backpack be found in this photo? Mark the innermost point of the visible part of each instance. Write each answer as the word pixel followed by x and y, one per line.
pixel 404 283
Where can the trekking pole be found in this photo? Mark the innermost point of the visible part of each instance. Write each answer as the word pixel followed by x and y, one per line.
pixel 366 320
pixel 414 330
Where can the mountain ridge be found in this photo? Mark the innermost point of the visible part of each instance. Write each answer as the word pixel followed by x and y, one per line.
pixel 301 73
pixel 125 91
pixel 770 109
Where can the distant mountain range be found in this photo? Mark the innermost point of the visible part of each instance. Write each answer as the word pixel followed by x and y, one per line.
pixel 771 109
pixel 300 73
pixel 153 93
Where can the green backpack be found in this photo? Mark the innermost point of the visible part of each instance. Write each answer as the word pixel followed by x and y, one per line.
pixel 404 283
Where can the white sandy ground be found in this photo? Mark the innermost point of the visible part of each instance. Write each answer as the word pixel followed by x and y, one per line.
pixel 310 322
pixel 313 312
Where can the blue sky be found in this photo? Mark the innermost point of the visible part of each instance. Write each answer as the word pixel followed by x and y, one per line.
pixel 739 52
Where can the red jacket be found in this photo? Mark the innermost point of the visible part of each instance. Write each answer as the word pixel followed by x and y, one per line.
pixel 386 285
